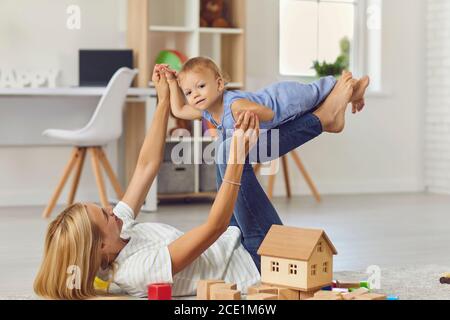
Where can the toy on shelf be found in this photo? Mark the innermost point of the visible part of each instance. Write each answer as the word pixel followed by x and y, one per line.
pixel 213 14
pixel 175 59
pixel 297 258
pixel 208 129
pixel 159 291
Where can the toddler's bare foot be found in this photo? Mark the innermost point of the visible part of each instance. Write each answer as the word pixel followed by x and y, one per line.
pixel 359 90
pixel 332 111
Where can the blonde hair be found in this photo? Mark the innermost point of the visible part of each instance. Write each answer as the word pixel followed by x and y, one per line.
pixel 197 63
pixel 73 242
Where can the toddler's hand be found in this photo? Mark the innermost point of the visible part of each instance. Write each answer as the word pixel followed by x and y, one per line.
pixel 160 81
pixel 171 74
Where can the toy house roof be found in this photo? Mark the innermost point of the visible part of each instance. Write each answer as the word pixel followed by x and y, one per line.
pixel 292 243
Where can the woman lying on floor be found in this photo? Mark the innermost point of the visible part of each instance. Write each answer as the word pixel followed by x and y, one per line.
pixel 86 239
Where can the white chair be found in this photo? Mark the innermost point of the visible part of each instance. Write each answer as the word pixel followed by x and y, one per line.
pixel 105 126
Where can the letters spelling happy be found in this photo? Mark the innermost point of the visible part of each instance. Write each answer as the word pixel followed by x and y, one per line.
pixel 34 79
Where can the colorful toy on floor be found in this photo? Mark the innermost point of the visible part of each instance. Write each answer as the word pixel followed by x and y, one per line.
pixel 296 264
pixel 364 284
pixel 159 291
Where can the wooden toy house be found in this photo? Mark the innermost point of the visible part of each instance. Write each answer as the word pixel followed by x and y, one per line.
pixel 297 258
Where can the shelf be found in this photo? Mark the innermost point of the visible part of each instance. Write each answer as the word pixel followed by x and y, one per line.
pixel 171 29
pixel 180 139
pixel 222 30
pixel 233 85
pixel 208 139
pixel 191 139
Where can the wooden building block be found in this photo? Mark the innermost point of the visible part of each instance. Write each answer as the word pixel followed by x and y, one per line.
pixel 222 286
pixel 371 296
pixel 288 294
pixel 358 292
pixel 262 289
pixel 306 295
pixel 327 295
pixel 225 294
pixel 262 296
pixel 340 290
pixel 347 285
pixel 204 287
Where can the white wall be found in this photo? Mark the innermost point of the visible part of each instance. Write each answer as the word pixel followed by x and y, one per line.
pixel 437 161
pixel 33 34
pixel 381 149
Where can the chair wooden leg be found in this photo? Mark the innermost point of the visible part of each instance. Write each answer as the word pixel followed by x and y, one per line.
pixel 272 176
pixel 306 175
pixel 98 177
pixel 110 172
pixel 76 178
pixel 257 168
pixel 62 182
pixel 286 176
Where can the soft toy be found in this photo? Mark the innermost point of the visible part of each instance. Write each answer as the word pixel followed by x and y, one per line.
pixel 213 14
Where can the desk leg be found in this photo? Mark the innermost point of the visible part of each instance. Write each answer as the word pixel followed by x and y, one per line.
pixel 134 134
pixel 151 200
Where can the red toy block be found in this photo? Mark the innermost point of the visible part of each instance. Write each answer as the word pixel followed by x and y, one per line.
pixel 159 291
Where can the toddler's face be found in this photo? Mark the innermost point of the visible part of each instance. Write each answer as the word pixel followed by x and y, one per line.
pixel 201 87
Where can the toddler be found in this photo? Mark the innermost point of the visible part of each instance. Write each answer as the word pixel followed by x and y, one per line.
pixel 198 91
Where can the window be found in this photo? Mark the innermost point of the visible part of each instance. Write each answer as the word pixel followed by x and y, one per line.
pixel 313 269
pixel 313 30
pixel 325 267
pixel 319 247
pixel 292 269
pixel 373 46
pixel 275 266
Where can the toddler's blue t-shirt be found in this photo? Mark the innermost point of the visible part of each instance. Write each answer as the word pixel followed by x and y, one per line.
pixel 287 99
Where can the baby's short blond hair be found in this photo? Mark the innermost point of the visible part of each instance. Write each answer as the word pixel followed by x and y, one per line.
pixel 197 63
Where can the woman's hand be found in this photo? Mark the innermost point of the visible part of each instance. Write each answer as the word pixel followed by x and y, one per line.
pixel 160 81
pixel 245 137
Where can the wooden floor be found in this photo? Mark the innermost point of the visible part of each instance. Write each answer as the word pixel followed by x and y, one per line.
pixel 385 230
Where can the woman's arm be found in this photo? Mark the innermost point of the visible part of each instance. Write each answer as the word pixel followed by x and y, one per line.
pixel 177 101
pixel 192 244
pixel 151 154
pixel 241 105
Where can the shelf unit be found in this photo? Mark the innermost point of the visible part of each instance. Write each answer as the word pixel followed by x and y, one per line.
pixel 175 24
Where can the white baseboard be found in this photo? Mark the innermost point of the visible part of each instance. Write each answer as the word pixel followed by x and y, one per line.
pixel 349 187
pixel 40 198
pixel 438 190
pixel 9 198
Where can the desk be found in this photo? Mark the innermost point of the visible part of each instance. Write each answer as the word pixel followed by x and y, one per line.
pixel 73 91
pixel 37 109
